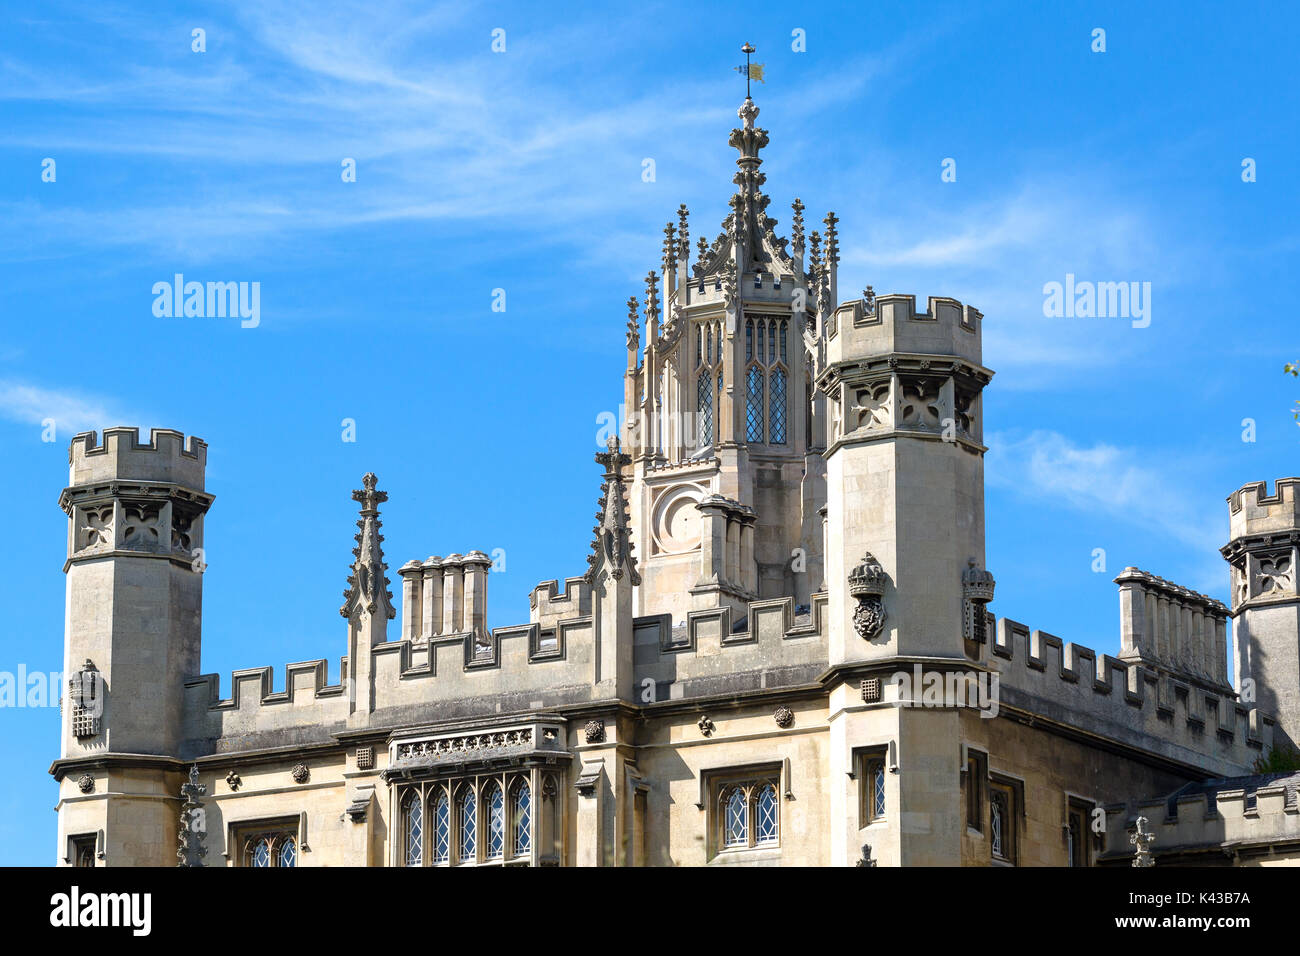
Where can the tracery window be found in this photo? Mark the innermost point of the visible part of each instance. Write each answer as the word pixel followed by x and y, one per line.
pixel 709 346
pixel 467 821
pixel 747 812
pixel 267 845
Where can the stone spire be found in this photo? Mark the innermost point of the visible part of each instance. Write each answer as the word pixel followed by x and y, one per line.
pixel 368 586
pixel 611 548
pixel 683 236
pixel 670 250
pixel 748 204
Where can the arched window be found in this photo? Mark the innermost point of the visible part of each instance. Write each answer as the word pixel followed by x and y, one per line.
pixel 288 855
pixel 269 848
pixel 413 829
pixel 704 397
pixel 765 812
pixel 754 403
pixel 735 820
pixel 998 820
pixel 776 411
pixel 521 811
pixel 785 325
pixel 468 820
pixel 441 827
pixel 495 806
pixel 749 341
pixel 261 855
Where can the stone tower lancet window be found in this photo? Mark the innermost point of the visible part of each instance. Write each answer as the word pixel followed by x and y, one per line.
pixel 709 341
pixel 767 378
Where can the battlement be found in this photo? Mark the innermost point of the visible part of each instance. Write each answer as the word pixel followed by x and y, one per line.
pixel 547 603
pixel 1127 701
pixel 1253 511
pixel 167 457
pixel 890 323
pixel 444 596
pixel 1170 627
pixel 1216 816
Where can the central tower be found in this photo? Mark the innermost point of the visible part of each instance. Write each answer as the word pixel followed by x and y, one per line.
pixel 720 416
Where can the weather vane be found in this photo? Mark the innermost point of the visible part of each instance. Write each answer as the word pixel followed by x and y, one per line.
pixel 752 71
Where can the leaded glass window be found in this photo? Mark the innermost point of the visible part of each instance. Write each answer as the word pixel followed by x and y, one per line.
pixel 735 824
pixel 785 325
pixel 767 806
pixel 704 397
pixel 777 412
pixel 749 341
pixel 522 813
pixel 413 829
pixel 878 789
pixel 269 848
pixel 998 818
pixel 759 351
pixel 468 847
pixel 771 343
pixel 754 403
pixel 495 805
pixel 747 813
pixel 441 828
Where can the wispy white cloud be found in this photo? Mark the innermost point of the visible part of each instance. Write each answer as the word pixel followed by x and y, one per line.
pixel 70 411
pixel 1106 480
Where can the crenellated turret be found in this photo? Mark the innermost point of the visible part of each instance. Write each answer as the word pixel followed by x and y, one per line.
pixel 1263 553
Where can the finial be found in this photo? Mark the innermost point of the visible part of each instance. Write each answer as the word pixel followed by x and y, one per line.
pixel 670 249
pixel 832 240
pixel 633 325
pixel 815 251
pixel 683 241
pixel 796 224
pixel 652 299
pixel 869 298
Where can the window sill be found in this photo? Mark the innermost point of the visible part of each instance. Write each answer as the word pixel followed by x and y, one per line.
pixel 747 856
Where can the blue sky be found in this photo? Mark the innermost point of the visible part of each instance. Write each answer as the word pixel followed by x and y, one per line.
pixel 522 171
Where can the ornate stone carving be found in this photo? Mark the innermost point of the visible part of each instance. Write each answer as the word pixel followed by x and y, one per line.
pixel 612 548
pixel 783 716
pixel 866 856
pixel 706 726
pixel 467 743
pixel 234 781
pixel 867 585
pixel 976 590
pixel 594 731
pixel 84 694
pixel 1142 838
pixel 190 849
pixel 300 773
pixel 368 585
pixel 86 783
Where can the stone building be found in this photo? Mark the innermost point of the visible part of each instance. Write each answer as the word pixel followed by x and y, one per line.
pixel 780 651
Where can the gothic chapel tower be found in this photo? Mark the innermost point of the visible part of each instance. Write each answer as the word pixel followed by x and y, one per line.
pixel 785 445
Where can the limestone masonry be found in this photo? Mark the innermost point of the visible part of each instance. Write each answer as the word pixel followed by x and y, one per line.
pixel 789 523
